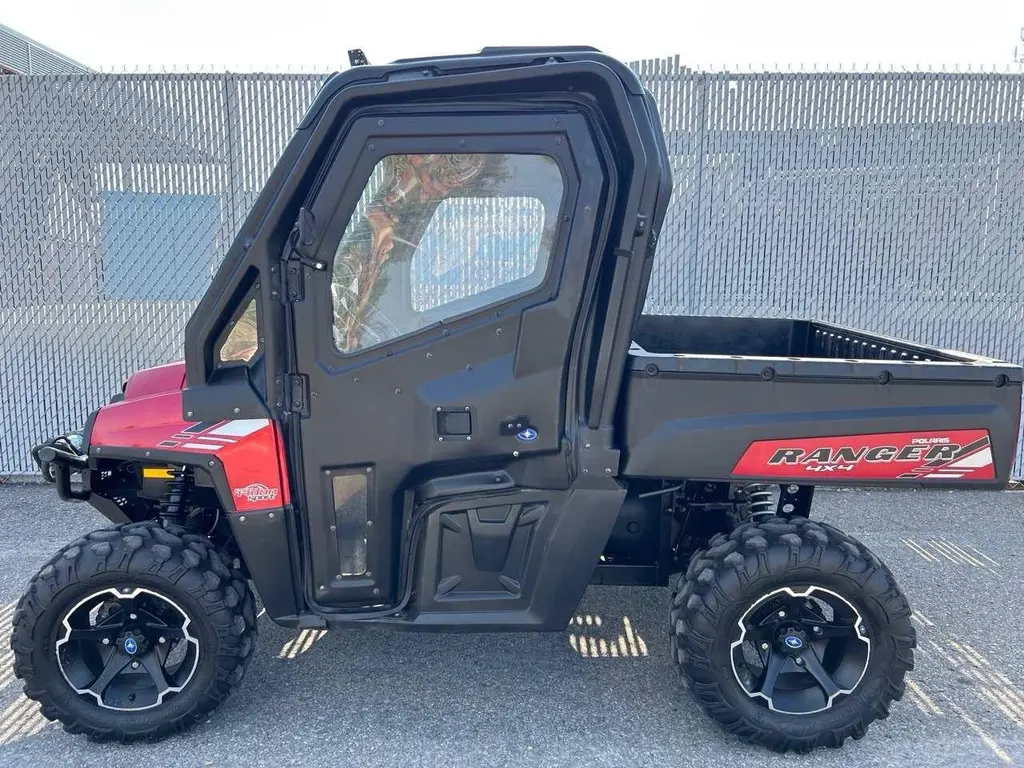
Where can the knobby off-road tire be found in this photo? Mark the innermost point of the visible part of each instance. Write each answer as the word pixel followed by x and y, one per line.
pixel 187 570
pixel 725 582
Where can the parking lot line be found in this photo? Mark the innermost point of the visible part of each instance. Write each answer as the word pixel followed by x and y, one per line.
pixel 923 701
pixel 20 719
pixel 918 549
pixel 982 734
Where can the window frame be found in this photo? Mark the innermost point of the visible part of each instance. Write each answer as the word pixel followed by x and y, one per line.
pixel 487 134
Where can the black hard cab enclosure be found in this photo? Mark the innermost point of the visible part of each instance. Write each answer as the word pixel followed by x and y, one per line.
pixel 420 392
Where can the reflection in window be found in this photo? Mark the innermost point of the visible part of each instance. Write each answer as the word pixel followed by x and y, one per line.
pixel 350 514
pixel 475 244
pixel 434 236
pixel 243 340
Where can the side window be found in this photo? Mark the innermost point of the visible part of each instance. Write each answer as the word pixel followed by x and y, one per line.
pixel 242 340
pixel 434 236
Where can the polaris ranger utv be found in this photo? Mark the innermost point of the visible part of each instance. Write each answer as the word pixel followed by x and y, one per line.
pixel 420 393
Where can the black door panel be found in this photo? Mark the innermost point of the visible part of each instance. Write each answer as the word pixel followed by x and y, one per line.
pixel 490 560
pixel 441 321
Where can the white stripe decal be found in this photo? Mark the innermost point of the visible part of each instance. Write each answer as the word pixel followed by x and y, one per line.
pixel 239 427
pixel 980 459
pixel 947 474
pixel 217 439
pixel 203 446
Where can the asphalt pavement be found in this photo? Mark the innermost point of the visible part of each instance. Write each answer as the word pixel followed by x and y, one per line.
pixel 603 692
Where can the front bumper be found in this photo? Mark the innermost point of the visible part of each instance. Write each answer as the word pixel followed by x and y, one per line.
pixel 58 459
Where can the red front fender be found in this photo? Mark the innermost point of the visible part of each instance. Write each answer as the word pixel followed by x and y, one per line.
pixel 249 450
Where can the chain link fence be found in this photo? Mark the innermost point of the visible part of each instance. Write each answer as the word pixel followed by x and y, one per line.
pixel 893 202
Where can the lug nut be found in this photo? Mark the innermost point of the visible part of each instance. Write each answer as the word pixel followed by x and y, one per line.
pixel 132 616
pixel 135 665
pixel 816 630
pixel 162 640
pixel 764 646
pixel 799 662
pixel 106 641
pixel 782 614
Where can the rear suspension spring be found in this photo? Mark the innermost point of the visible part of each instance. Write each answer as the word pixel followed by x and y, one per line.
pixel 760 501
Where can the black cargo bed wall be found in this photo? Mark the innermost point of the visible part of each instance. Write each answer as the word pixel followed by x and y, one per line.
pixel 771 337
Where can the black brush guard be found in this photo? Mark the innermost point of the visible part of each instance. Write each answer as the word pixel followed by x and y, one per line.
pixel 58 460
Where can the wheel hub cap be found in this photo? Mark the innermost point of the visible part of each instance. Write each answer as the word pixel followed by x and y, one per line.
pixel 792 642
pixel 133 643
pixel 800 649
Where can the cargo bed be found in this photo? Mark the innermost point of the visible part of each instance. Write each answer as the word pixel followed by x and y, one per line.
pixel 772 399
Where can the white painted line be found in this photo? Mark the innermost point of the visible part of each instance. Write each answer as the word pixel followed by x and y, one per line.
pixel 920 550
pixel 942 652
pixel 918 703
pixel 920 617
pixel 925 698
pixel 982 734
pixel 970 655
pixel 933 545
pixel 941 548
pixel 982 554
pixel 960 551
pixel 1003 706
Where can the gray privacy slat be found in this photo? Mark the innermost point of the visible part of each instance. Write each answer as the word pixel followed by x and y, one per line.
pixel 891 201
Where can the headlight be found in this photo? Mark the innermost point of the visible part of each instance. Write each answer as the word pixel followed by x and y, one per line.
pixel 76 440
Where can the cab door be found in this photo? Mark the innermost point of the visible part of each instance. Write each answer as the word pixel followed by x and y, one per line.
pixel 449 248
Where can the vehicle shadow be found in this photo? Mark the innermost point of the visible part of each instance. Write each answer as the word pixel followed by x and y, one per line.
pixel 601 692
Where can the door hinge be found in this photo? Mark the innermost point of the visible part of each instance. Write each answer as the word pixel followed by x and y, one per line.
pixel 292 390
pixel 297 255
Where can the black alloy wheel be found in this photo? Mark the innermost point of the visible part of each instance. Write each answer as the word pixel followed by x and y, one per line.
pixel 129 648
pixel 799 650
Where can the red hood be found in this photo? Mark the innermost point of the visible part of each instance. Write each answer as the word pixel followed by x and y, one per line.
pixel 152 381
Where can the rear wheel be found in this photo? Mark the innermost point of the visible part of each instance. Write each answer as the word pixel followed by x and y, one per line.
pixel 791 634
pixel 133 633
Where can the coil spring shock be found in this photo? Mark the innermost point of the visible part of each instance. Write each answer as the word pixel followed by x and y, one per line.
pixel 172 503
pixel 760 501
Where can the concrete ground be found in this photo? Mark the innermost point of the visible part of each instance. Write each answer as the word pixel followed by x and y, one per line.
pixel 373 698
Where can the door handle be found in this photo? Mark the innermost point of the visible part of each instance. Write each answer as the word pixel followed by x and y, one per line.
pixel 454 422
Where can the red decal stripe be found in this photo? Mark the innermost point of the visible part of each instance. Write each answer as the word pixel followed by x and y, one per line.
pixel 953 454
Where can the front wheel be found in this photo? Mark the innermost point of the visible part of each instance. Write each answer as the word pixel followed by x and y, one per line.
pixel 133 633
pixel 791 634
